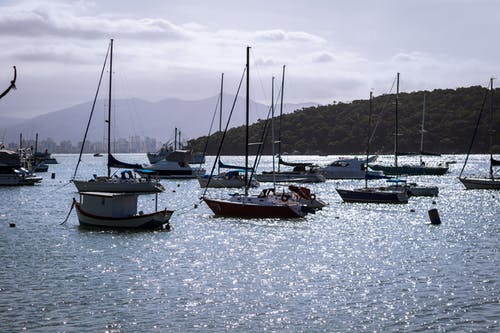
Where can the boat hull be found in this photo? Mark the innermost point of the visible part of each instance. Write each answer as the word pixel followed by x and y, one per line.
pixel 157 220
pixel 221 182
pixel 253 209
pixel 423 191
pixel 115 185
pixel 350 174
pixel 290 177
pixel 373 195
pixel 186 173
pixel 413 170
pixel 481 183
pixel 14 179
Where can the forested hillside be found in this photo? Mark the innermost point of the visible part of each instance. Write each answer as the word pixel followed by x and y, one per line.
pixel 450 119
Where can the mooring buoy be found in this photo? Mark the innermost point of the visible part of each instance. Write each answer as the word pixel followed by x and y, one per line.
pixel 434 216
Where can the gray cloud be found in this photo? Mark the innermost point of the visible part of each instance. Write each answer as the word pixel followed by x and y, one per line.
pixel 323 57
pixel 284 36
pixel 59 20
pixel 333 51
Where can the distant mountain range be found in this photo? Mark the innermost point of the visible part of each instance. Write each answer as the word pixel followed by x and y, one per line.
pixel 135 117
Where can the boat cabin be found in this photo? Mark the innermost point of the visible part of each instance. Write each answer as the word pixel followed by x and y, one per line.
pixel 116 205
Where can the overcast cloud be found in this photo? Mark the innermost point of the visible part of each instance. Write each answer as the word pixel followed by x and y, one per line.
pixel 333 50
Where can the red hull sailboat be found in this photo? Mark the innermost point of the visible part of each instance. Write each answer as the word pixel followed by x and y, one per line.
pixel 265 205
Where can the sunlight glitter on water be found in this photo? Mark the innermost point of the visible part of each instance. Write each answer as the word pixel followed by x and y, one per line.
pixel 350 267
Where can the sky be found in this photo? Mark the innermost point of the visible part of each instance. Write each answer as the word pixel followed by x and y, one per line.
pixel 333 50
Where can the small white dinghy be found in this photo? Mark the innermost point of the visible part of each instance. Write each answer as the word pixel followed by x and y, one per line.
pixel 117 210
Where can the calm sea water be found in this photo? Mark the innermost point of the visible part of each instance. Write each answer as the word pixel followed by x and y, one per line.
pixel 348 268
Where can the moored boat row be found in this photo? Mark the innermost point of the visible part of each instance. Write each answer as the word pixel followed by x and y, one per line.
pixel 111 200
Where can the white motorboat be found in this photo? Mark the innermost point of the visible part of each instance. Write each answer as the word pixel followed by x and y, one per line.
pixel 19 176
pixel 350 168
pixel 174 166
pixel 11 171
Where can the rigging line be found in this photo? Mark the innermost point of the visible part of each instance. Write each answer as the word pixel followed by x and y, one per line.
pixel 475 132
pixel 92 111
pixel 225 131
pixel 263 138
pixel 70 210
pixel 264 135
pixel 259 75
pixel 382 111
pixel 60 187
pixel 210 129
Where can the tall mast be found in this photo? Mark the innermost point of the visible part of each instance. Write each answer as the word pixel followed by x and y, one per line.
pixel 272 132
pixel 175 139
pixel 396 126
pixel 422 132
pixel 368 138
pixel 281 114
pixel 491 128
pixel 220 106
pixel 109 104
pixel 220 111
pixel 247 106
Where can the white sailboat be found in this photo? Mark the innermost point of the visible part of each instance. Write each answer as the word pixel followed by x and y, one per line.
pixel 492 180
pixel 128 181
pixel 301 172
pixel 228 179
pixel 387 194
pixel 412 169
pixel 398 170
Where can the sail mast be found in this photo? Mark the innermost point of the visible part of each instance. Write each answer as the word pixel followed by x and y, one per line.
pixel 220 111
pixel 247 107
pixel 272 132
pixel 396 126
pixel 281 114
pixel 422 132
pixel 109 104
pixel 368 139
pixel 175 138
pixel 491 128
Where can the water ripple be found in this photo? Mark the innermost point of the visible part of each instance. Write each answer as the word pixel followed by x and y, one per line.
pixel 348 268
